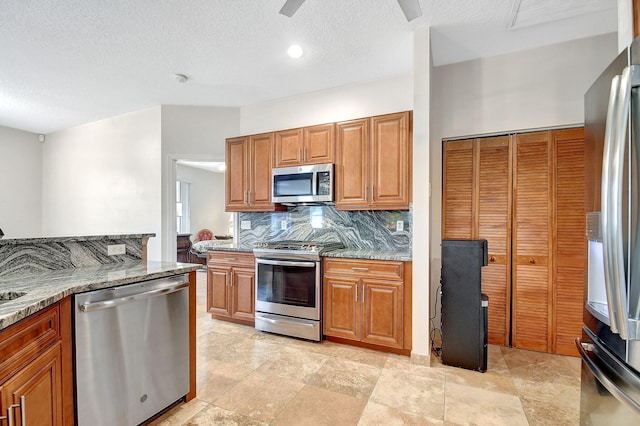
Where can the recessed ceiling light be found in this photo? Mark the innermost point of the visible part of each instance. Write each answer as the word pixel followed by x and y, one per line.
pixel 295 51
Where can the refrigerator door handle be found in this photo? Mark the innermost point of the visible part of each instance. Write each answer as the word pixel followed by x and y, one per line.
pixel 603 378
pixel 627 327
pixel 613 110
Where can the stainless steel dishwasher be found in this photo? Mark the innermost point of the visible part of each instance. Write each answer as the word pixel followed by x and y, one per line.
pixel 132 350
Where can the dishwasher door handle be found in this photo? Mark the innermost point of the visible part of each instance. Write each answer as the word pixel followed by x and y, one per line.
pixel 105 304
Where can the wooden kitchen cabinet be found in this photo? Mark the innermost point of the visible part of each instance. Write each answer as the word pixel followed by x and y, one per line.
pixel 36 369
pixel 374 163
pixel 524 194
pixel 231 286
pixel 304 146
pixel 368 302
pixel 249 160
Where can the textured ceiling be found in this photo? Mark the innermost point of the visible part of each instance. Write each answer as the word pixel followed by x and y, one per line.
pixel 70 62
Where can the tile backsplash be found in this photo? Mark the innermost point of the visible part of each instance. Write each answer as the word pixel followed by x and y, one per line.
pixel 376 229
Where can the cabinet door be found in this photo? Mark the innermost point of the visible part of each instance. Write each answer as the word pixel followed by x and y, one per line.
pixel 289 148
pixel 218 280
pixel 532 243
pixel 342 311
pixel 391 161
pixel 494 225
pixel 260 170
pixel 243 294
pixel 40 382
pixel 237 174
pixel 352 165
pixel 382 313
pixel 570 247
pixel 319 144
pixel 458 201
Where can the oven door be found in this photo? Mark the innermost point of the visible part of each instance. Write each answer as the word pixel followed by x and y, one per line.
pixel 289 288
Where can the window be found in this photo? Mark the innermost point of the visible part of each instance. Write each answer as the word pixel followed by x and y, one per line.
pixel 182 207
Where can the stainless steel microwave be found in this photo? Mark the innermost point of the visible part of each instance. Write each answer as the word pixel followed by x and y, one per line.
pixel 302 184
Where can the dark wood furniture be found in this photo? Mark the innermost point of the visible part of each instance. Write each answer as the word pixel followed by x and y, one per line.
pixel 183 245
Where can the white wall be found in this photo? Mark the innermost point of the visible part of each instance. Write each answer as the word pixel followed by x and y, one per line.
pixel 104 178
pixel 190 133
pixel 206 196
pixel 21 183
pixel 331 105
pixel 530 89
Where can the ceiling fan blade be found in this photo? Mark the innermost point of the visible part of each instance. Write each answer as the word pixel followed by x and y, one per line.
pixel 290 7
pixel 410 8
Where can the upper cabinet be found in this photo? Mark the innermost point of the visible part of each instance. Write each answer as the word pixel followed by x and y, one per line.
pixel 309 145
pixel 373 163
pixel 372 158
pixel 249 160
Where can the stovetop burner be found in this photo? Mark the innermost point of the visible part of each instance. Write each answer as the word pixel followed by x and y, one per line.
pixel 285 249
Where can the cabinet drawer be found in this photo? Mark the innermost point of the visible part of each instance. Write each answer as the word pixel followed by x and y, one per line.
pixel 388 270
pixel 23 341
pixel 230 258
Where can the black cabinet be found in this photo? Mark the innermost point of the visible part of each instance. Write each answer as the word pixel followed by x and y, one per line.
pixel 464 307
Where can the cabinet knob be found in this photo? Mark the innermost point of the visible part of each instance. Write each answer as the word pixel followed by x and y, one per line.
pixel 492 259
pixel 532 260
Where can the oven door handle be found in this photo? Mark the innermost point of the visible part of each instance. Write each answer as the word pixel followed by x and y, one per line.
pixel 283 321
pixel 286 263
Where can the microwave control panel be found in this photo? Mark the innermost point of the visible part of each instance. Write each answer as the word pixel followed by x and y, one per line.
pixel 324 183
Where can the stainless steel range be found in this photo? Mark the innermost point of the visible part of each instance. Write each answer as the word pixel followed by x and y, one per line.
pixel 289 287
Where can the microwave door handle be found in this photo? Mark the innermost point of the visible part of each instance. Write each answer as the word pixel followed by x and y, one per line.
pixel 314 184
pixel 605 206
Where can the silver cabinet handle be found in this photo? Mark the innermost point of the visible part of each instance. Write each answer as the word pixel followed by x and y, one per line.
pixel 356 293
pixel 360 269
pixel 229 258
pixel 362 292
pixel 10 411
pixel 602 377
pixel 87 307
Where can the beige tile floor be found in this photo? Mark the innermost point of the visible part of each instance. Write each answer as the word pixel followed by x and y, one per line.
pixel 246 377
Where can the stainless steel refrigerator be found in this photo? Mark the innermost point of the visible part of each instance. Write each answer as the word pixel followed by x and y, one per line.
pixel 610 342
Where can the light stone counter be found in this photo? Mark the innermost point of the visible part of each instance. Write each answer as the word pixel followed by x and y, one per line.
pixel 400 256
pixel 41 289
pixel 352 253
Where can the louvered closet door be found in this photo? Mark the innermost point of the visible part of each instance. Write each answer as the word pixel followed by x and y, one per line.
pixel 532 243
pixel 569 250
pixel 494 225
pixel 457 190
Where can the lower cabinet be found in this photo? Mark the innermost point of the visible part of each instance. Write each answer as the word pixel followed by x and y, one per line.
pixel 36 369
pixel 35 391
pixel 368 302
pixel 231 286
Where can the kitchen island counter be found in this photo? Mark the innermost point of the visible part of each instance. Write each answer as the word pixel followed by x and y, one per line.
pixel 38 290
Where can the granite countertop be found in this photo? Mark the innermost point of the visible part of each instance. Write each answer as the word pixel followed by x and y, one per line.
pixel 40 290
pixel 352 253
pixel 37 240
pixel 233 247
pixel 357 253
